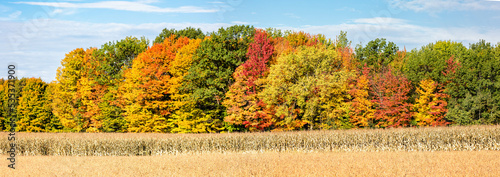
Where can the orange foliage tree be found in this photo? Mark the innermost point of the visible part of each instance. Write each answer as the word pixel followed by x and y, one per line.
pixel 362 112
pixel 145 92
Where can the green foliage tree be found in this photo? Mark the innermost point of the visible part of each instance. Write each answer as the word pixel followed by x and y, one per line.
pixel 210 75
pixel 341 41
pixel 189 32
pixel 104 71
pixel 475 94
pixel 105 64
pixel 430 60
pixel 377 53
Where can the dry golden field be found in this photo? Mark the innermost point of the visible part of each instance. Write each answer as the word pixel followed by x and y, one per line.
pixel 441 151
pixel 443 163
pixel 130 144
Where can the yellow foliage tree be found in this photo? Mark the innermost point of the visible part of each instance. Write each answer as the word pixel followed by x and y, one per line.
pixel 67 102
pixel 33 111
pixel 4 89
pixel 309 88
pixel 362 111
pixel 430 105
pixel 182 118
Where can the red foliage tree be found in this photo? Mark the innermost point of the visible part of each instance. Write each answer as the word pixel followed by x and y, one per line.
pixel 243 105
pixel 259 52
pixel 390 95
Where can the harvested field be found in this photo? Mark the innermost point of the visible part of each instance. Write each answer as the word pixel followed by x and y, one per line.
pixel 443 163
pixel 471 138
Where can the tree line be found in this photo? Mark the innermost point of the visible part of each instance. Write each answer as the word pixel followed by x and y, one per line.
pixel 244 79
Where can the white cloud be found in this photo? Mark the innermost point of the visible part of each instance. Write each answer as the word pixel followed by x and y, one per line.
pixel 148 1
pixel 137 6
pixel 15 14
pixel 349 9
pixel 434 6
pixel 65 11
pixel 216 2
pixel 243 23
pixel 379 20
pixel 292 15
pixel 400 31
pixel 240 22
pixel 38 47
pixel 12 16
pixel 4 8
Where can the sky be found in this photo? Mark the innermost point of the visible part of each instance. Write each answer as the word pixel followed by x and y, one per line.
pixel 36 35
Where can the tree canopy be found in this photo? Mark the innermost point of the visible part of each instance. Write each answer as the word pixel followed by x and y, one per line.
pixel 239 78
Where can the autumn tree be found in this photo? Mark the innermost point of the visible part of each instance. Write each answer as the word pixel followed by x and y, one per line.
pixel 99 88
pixel 345 52
pixel 308 89
pixel 54 123
pixel 362 111
pixel 296 39
pixel 391 99
pixel 430 106
pixel 182 118
pixel 10 90
pixel 4 101
pixel 210 75
pixel 66 103
pixel 146 90
pixel 242 102
pixel 398 64
pixel 33 111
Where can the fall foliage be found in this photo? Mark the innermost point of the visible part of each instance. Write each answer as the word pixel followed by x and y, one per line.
pixel 244 79
pixel 244 107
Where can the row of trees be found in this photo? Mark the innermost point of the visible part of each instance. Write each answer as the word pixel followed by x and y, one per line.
pixel 245 79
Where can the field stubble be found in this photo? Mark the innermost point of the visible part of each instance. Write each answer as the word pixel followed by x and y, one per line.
pixel 442 163
pixel 471 138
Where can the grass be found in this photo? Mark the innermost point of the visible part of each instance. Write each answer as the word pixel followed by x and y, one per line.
pixel 442 163
pixel 470 138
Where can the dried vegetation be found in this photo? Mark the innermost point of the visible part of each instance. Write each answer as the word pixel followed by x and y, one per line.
pixel 472 138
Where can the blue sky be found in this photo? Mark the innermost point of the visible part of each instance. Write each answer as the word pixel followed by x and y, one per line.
pixel 37 34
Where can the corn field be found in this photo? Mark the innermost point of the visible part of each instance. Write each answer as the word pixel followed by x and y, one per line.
pixel 472 138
